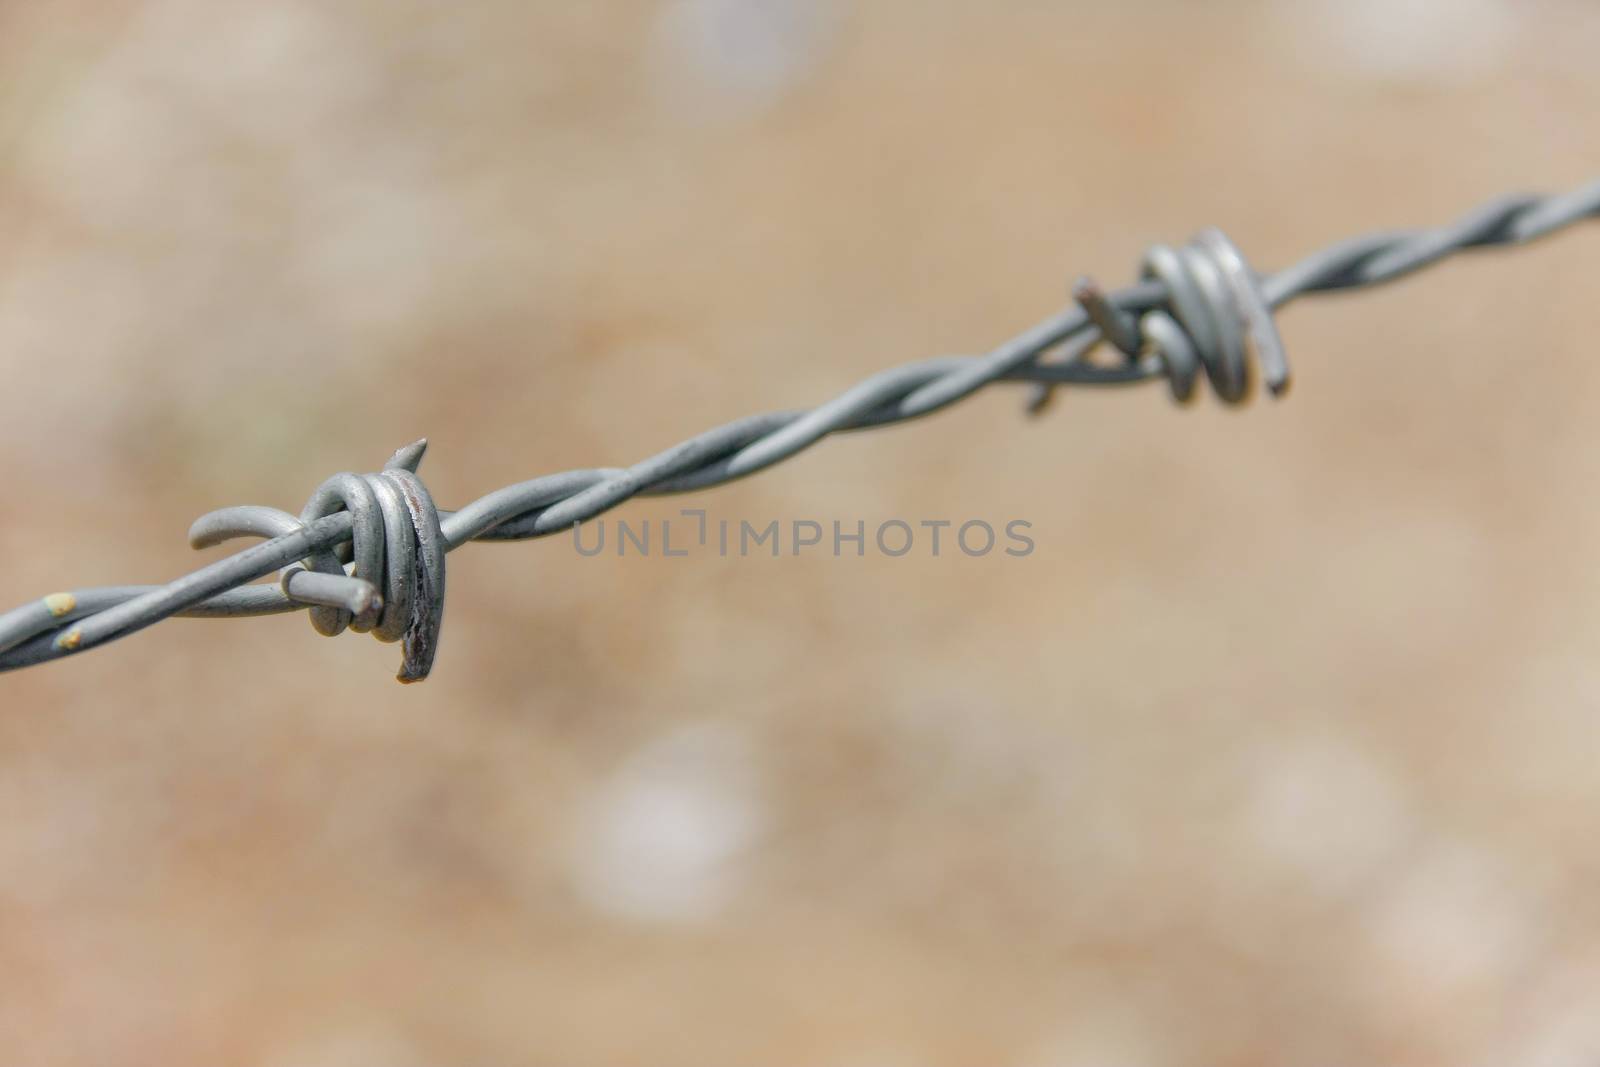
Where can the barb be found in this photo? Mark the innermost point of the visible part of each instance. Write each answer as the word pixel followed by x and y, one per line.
pixel 367 552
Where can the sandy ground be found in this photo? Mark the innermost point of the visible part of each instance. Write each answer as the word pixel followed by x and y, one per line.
pixel 1279 749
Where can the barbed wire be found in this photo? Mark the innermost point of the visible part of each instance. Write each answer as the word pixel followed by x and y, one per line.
pixel 367 552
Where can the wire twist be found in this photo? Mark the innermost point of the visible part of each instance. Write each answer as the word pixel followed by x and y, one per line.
pixel 367 552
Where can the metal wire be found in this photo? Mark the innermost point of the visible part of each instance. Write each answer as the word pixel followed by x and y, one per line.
pixel 367 551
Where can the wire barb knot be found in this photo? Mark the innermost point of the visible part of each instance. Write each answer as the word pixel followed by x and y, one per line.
pixel 1214 310
pixel 387 580
pixel 1203 310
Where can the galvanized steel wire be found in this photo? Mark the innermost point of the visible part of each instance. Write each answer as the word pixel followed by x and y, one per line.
pixel 367 552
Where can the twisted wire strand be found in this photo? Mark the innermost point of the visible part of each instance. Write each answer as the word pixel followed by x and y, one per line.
pixel 1196 311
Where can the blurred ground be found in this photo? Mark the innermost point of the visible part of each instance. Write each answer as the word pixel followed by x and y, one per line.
pixel 1279 749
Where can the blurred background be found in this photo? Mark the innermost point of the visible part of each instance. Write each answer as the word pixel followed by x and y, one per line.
pixel 1279 749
